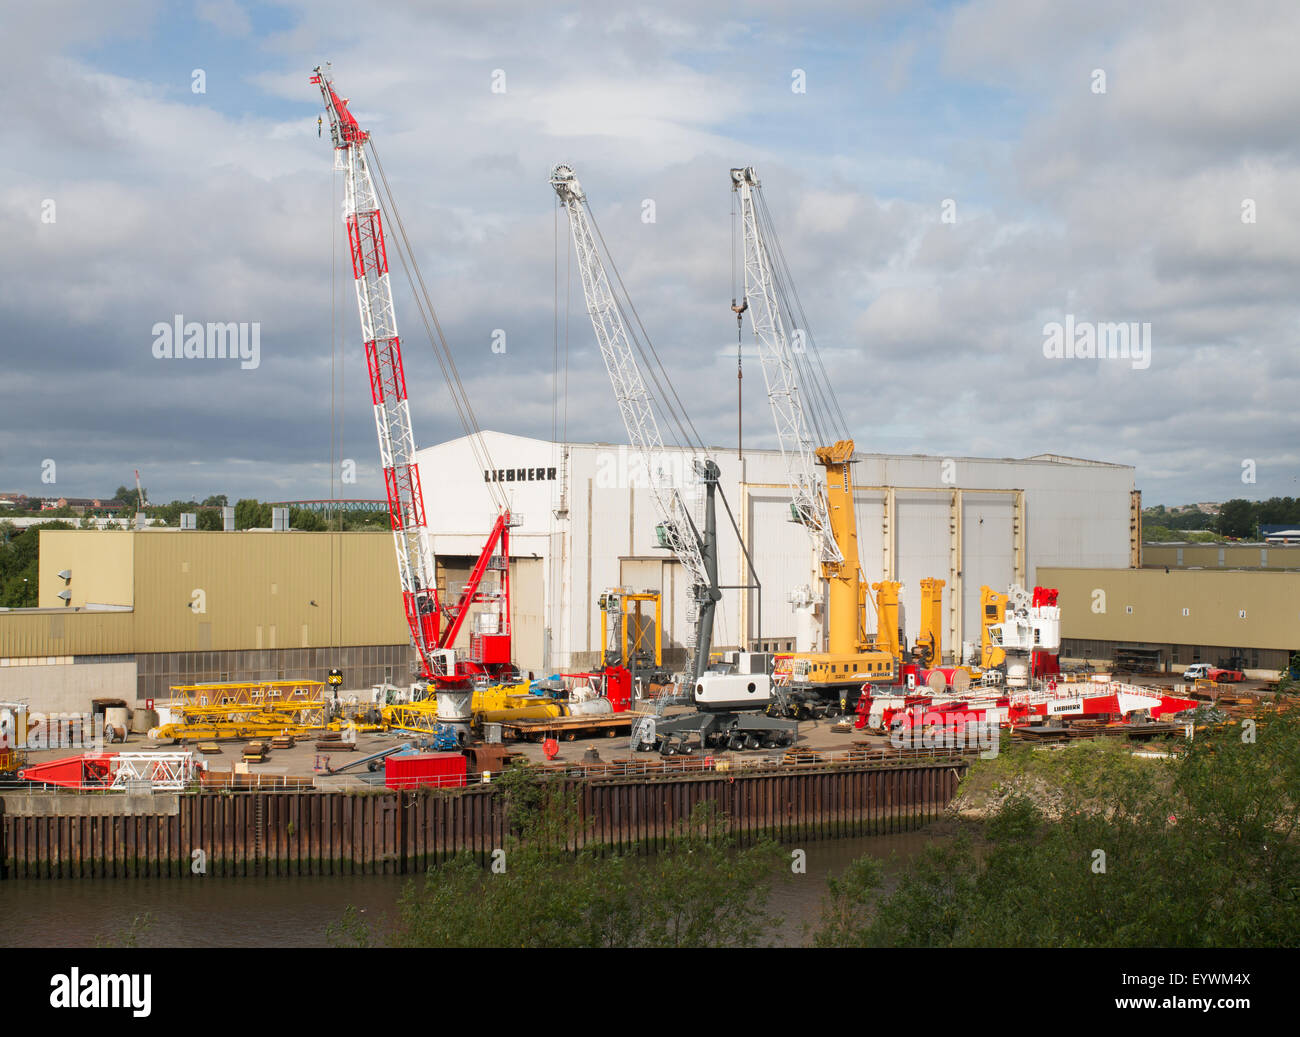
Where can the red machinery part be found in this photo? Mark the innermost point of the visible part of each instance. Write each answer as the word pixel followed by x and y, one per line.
pixel 618 688
pixel 86 771
pixel 416 770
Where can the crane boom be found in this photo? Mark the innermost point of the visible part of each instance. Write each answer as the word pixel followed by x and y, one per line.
pixel 361 212
pixel 797 447
pixel 677 531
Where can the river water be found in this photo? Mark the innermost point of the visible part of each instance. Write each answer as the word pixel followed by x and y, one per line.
pixel 294 912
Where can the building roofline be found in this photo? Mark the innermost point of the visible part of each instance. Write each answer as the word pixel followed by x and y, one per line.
pixel 1046 459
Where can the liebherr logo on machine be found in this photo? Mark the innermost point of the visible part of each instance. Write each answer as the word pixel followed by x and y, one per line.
pixel 99 990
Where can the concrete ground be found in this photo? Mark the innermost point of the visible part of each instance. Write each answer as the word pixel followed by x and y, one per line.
pixel 303 760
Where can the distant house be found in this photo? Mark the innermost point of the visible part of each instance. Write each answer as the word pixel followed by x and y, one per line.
pixel 82 505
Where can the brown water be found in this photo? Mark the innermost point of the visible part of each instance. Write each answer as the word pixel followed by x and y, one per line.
pixel 294 912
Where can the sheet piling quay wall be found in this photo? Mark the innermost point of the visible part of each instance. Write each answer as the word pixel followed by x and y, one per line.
pixel 243 833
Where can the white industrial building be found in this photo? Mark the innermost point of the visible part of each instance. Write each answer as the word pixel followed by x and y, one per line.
pixel 588 525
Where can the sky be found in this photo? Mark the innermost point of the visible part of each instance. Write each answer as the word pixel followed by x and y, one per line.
pixel 949 182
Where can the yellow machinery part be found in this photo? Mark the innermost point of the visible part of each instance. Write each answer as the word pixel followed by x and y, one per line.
pixel 993 610
pixel 844 578
pixel 930 638
pixel 249 693
pixel 534 708
pixel 887 617
pixel 827 668
pixel 495 703
pixel 199 732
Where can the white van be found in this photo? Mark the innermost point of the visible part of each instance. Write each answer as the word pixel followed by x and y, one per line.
pixel 1196 671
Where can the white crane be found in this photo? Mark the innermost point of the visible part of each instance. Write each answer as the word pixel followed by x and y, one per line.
pixel 677 531
pixel 798 449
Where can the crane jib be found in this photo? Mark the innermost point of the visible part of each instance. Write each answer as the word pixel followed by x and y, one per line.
pixel 434 625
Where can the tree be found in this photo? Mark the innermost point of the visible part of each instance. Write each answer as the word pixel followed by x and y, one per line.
pixel 1091 847
pixel 252 514
pixel 216 501
pixel 700 891
pixel 19 570
pixel 1237 519
pixel 128 496
pixel 302 518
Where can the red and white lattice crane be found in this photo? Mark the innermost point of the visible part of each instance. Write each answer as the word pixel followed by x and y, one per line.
pixel 434 624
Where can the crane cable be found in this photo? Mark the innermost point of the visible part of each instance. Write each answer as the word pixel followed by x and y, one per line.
pixel 828 417
pixel 433 329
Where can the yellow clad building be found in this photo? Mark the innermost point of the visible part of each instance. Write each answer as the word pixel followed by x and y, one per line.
pixel 127 614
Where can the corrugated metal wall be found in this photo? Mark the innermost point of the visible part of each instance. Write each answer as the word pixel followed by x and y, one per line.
pixel 204 592
pixel 1221 556
pixel 101 563
pixel 29 634
pixel 258 590
pixel 1145 606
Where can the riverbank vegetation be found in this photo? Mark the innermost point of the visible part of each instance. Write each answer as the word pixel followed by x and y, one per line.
pixel 1089 846
pixel 702 890
pixel 1083 846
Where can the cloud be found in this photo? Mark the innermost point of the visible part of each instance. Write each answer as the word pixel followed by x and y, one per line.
pixel 223 207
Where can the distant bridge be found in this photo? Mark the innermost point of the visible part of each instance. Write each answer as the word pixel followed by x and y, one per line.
pixel 350 504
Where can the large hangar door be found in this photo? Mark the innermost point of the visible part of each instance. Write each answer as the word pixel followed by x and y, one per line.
pixel 527 620
pixel 923 539
pixel 782 554
pixel 988 552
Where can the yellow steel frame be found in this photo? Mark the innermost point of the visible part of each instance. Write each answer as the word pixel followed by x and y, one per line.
pixel 632 646
pixel 249 693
